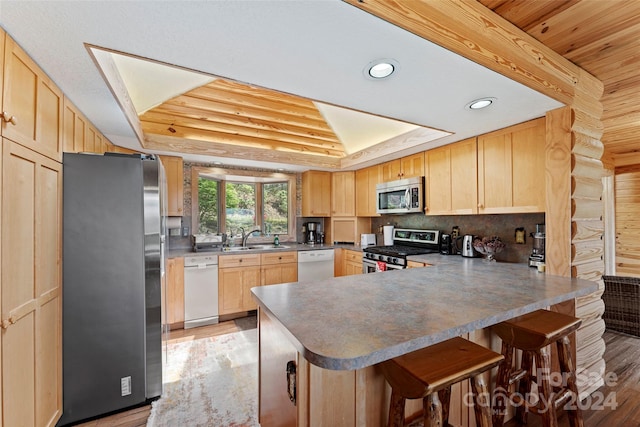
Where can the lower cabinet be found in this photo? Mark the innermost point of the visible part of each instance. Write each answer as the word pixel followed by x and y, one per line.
pixel 352 263
pixel 279 267
pixel 175 293
pixel 237 274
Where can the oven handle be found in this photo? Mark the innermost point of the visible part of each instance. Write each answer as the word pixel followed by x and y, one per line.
pixel 368 262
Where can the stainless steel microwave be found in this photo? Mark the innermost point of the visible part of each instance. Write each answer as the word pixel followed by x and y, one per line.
pixel 402 196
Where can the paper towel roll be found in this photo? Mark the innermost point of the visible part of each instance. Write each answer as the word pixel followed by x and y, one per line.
pixel 387 232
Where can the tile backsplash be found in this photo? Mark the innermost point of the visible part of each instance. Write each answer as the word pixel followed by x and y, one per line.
pixel 502 225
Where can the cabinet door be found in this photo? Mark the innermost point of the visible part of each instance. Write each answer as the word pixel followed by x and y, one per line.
pixel 282 273
pixel 511 169
pixel 366 181
pixel 316 193
pixel 90 140
pixel 230 290
pixel 391 171
pixel 175 291
pixel 451 184
pixel 412 166
pixel 74 129
pixel 173 168
pixel 250 279
pixel 352 263
pixel 31 287
pixel 343 194
pixel 34 102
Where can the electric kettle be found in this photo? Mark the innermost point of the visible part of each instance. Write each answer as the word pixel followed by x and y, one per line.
pixel 467 249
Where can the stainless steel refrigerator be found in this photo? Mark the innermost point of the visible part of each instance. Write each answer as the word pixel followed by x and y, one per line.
pixel 112 265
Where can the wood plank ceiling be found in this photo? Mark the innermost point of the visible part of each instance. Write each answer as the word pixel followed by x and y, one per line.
pixel 603 38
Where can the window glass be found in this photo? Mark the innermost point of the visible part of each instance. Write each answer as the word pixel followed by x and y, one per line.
pixel 275 207
pixel 208 206
pixel 240 207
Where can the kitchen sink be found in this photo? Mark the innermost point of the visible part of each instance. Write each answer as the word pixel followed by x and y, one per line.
pixel 253 248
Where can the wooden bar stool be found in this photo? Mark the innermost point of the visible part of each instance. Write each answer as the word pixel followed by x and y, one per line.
pixel 431 371
pixel 533 333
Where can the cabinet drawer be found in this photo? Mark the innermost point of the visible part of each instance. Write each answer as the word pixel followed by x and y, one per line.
pixel 352 256
pixel 279 257
pixel 244 260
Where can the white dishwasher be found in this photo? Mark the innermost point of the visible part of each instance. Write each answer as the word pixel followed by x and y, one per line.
pixel 315 265
pixel 200 290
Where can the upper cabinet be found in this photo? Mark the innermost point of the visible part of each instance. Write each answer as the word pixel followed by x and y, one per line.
pixel 173 168
pixel 511 167
pixel 451 185
pixel 316 193
pixel 32 105
pixel 343 201
pixel 366 181
pixel 406 167
pixel 79 135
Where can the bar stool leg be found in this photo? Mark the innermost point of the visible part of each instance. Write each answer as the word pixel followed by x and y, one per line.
pixel 445 398
pixel 502 385
pixel 546 406
pixel 566 366
pixel 481 401
pixel 396 410
pixel 524 388
pixel 432 410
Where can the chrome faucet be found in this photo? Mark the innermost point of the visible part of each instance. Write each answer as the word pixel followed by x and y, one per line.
pixel 245 237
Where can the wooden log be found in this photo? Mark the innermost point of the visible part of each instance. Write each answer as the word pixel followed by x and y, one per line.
pixel 590 378
pixel 591 311
pixel 587 251
pixel 587 125
pixel 586 167
pixel 594 296
pixel 586 230
pixel 587 146
pixel 587 356
pixel 586 209
pixel 589 332
pixel 583 187
pixel 588 271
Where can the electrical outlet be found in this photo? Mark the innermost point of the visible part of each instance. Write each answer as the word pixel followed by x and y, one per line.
pixel 125 386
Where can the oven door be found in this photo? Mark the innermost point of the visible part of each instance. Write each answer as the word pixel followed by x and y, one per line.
pixel 369 266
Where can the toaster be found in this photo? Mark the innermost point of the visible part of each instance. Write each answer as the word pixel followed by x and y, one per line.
pixel 367 240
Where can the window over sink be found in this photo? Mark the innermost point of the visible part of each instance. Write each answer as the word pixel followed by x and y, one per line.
pixel 227 201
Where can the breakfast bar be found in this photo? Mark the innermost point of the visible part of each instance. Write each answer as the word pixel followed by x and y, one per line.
pixel 333 332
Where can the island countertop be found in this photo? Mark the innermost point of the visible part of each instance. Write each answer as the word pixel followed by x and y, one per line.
pixel 352 322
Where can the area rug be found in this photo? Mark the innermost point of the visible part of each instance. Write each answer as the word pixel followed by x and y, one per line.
pixel 210 382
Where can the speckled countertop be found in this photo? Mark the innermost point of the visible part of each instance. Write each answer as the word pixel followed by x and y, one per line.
pixel 287 246
pixel 351 322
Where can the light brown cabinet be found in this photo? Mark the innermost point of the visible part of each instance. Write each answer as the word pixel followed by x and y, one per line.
pixel 316 193
pixel 279 267
pixel 32 104
pixel 511 164
pixel 175 293
pixel 173 167
pixel 347 229
pixel 352 262
pixel 451 186
pixel 31 316
pixel 343 201
pixel 406 167
pixel 366 181
pixel 74 129
pixel 237 274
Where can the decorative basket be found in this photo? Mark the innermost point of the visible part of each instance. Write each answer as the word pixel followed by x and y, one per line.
pixel 622 304
pixel 489 247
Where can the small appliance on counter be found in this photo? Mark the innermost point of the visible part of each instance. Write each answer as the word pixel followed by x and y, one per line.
pixel 203 242
pixel 311 235
pixel 537 257
pixel 367 240
pixel 467 250
pixel 448 245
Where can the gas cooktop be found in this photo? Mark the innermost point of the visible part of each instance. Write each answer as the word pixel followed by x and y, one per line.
pixel 408 242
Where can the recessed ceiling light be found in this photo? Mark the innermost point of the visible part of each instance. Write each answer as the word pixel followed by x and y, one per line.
pixel 480 103
pixel 380 68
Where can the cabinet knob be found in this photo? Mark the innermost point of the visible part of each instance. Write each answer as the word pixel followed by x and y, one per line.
pixel 7 118
pixel 480 205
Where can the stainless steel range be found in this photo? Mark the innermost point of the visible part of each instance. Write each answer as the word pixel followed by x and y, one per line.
pixel 406 242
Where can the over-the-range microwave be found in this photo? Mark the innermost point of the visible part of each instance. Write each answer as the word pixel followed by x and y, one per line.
pixel 401 196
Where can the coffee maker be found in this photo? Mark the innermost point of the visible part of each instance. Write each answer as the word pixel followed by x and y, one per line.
pixel 311 232
pixel 537 256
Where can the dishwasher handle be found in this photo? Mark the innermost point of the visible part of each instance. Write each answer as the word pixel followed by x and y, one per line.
pixel 315 256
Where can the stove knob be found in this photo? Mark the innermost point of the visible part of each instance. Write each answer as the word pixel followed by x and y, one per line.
pixel 395 260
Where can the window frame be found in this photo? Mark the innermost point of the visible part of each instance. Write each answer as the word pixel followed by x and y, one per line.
pixel 235 175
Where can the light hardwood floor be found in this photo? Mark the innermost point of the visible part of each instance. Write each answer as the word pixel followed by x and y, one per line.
pixel 137 417
pixel 622 357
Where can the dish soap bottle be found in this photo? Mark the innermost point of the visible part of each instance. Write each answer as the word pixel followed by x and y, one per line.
pixel 276 241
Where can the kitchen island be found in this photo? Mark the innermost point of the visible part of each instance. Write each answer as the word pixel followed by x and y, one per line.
pixel 335 331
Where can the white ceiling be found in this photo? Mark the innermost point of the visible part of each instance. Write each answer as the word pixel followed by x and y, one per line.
pixel 315 49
